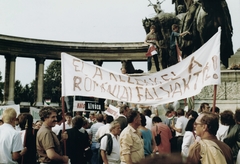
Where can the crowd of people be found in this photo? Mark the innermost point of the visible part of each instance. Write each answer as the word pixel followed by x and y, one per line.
pixel 136 136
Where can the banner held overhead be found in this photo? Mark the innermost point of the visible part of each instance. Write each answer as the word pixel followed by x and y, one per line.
pixel 185 79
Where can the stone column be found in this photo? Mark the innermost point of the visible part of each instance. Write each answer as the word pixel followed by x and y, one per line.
pixel 39 80
pixel 6 82
pixel 9 80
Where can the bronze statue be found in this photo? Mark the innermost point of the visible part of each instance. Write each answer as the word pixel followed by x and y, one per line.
pixel 202 21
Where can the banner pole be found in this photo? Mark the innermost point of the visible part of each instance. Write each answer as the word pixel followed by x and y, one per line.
pixel 214 98
pixel 63 118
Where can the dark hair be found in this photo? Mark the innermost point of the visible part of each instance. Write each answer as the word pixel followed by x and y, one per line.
pixel 173 158
pixel 174 26
pixel 143 120
pixel 211 120
pixel 46 112
pixel 156 119
pixel 168 112
pixel 77 122
pixel 109 119
pixel 226 118
pixel 147 112
pixel 132 115
pixel 194 114
pixel 237 115
pixel 152 27
pixel 189 126
pixel 202 106
pixel 25 118
pixel 217 110
pixel 180 112
pixel 69 114
pixel 123 108
pixel 59 116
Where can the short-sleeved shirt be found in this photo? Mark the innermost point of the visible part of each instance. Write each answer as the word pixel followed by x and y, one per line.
pixel 172 39
pixel 166 135
pixel 10 141
pixel 46 139
pixel 147 139
pixel 181 124
pixel 115 155
pixel 93 130
pixel 131 143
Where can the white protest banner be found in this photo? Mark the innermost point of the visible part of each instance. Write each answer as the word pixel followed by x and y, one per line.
pixel 35 113
pixel 16 107
pixel 185 79
pixel 112 111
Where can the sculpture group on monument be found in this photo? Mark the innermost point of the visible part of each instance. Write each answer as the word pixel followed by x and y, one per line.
pixel 200 19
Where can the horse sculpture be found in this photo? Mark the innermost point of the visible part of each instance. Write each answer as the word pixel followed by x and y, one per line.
pixel 202 21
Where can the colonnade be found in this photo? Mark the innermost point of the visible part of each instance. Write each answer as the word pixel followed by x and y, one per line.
pixel 10 72
pixel 9 83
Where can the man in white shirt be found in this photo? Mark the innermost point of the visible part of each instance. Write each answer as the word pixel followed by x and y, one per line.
pixel 105 128
pixel 226 119
pixel 114 156
pixel 148 113
pixel 68 122
pixel 179 128
pixel 95 144
pixel 10 140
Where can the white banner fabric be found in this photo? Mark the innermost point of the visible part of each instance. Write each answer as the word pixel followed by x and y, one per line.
pixel 185 79
pixel 35 113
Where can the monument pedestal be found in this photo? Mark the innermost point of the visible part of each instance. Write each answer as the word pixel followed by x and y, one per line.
pixel 234 60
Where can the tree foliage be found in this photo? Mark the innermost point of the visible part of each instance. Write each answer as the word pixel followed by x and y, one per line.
pixel 52 82
pixel 23 94
pixel 1 87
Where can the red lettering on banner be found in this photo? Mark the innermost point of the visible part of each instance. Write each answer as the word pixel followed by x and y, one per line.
pixel 185 83
pixel 124 94
pixel 148 95
pixel 98 72
pixel 76 66
pixel 130 92
pixel 88 81
pixel 177 89
pixel 129 80
pixel 139 80
pixel 120 78
pixel 156 94
pixel 138 93
pixel 192 64
pixel 205 72
pixel 196 74
pixel 76 82
pixel 112 76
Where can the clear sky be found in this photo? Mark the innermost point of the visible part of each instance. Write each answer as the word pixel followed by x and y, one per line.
pixel 83 21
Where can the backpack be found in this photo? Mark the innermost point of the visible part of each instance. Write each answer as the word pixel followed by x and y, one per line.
pixel 108 148
pixel 158 137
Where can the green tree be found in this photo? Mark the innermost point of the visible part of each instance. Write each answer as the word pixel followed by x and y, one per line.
pixel 18 92
pixel 52 82
pixel 1 87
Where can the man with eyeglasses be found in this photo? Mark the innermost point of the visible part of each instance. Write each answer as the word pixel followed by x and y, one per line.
pixel 209 149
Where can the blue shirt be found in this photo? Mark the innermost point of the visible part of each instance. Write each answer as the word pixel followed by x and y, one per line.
pixel 147 139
